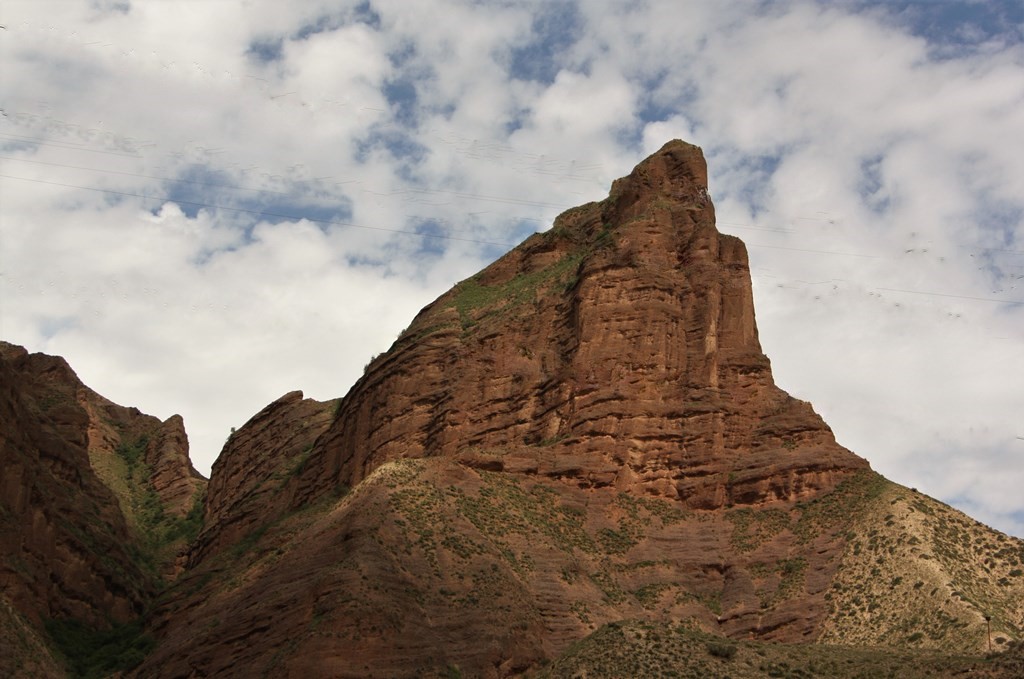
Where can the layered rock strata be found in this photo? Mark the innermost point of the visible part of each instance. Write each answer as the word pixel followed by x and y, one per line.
pixel 249 483
pixel 77 470
pixel 617 349
pixel 64 539
pixel 576 434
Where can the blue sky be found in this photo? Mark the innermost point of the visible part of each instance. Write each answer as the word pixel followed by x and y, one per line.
pixel 206 205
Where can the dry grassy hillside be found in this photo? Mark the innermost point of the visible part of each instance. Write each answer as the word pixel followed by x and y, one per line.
pixel 919 573
pixel 661 650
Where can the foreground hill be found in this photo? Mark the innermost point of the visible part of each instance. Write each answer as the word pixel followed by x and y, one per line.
pixel 575 463
pixel 662 650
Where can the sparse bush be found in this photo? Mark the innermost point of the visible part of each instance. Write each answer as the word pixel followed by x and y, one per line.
pixel 132 454
pixel 721 649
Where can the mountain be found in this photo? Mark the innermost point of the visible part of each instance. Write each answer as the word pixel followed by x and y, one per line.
pixel 574 463
pixel 586 431
pixel 95 507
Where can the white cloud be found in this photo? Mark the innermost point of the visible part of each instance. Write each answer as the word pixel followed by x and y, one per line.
pixel 872 172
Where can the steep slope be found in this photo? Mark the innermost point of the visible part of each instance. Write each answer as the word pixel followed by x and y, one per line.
pixel 249 486
pixel 64 538
pixel 919 573
pixel 94 500
pixel 575 463
pixel 430 564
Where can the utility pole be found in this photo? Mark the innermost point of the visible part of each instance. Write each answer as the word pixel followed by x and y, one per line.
pixel 988 624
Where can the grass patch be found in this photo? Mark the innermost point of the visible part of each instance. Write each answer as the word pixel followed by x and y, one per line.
pixel 475 301
pixel 838 508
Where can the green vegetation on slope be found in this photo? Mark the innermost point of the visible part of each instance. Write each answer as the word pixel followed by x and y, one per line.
pixel 919 573
pixel 160 536
pixel 92 653
pixel 645 650
pixel 24 650
pixel 475 301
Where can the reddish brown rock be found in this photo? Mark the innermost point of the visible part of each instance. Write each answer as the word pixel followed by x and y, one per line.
pixel 249 481
pixel 63 539
pixel 172 475
pixel 429 565
pixel 585 432
pixel 75 542
pixel 619 348
pixel 603 440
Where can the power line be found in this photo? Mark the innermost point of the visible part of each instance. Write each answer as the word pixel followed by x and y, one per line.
pixel 142 176
pixel 69 146
pixel 464 195
pixel 820 252
pixel 457 194
pixel 261 213
pixel 942 294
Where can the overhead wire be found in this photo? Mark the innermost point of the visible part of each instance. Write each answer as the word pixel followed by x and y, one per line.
pixel 260 213
pixel 415 191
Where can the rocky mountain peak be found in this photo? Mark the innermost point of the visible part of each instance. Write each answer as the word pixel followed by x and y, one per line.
pixel 617 349
pixel 677 172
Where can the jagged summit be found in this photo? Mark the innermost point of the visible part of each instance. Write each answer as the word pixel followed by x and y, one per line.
pixel 617 349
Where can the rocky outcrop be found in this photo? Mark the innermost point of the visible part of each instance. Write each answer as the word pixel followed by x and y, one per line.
pixel 617 349
pixel 585 431
pixel 93 497
pixel 249 484
pixel 430 565
pixel 172 476
pixel 63 539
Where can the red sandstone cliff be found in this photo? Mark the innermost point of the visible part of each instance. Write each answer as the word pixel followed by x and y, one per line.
pixel 249 484
pixel 64 538
pixel 68 550
pixel 618 349
pixel 585 432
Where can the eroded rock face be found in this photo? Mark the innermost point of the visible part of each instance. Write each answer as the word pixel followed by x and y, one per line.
pixel 73 521
pixel 173 477
pixel 617 349
pixel 430 565
pixel 249 481
pixel 63 539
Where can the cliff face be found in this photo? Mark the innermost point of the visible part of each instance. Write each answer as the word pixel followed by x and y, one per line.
pixel 64 537
pixel 88 494
pixel 249 483
pixel 618 349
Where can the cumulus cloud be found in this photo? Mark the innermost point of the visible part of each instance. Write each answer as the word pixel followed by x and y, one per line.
pixel 207 205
